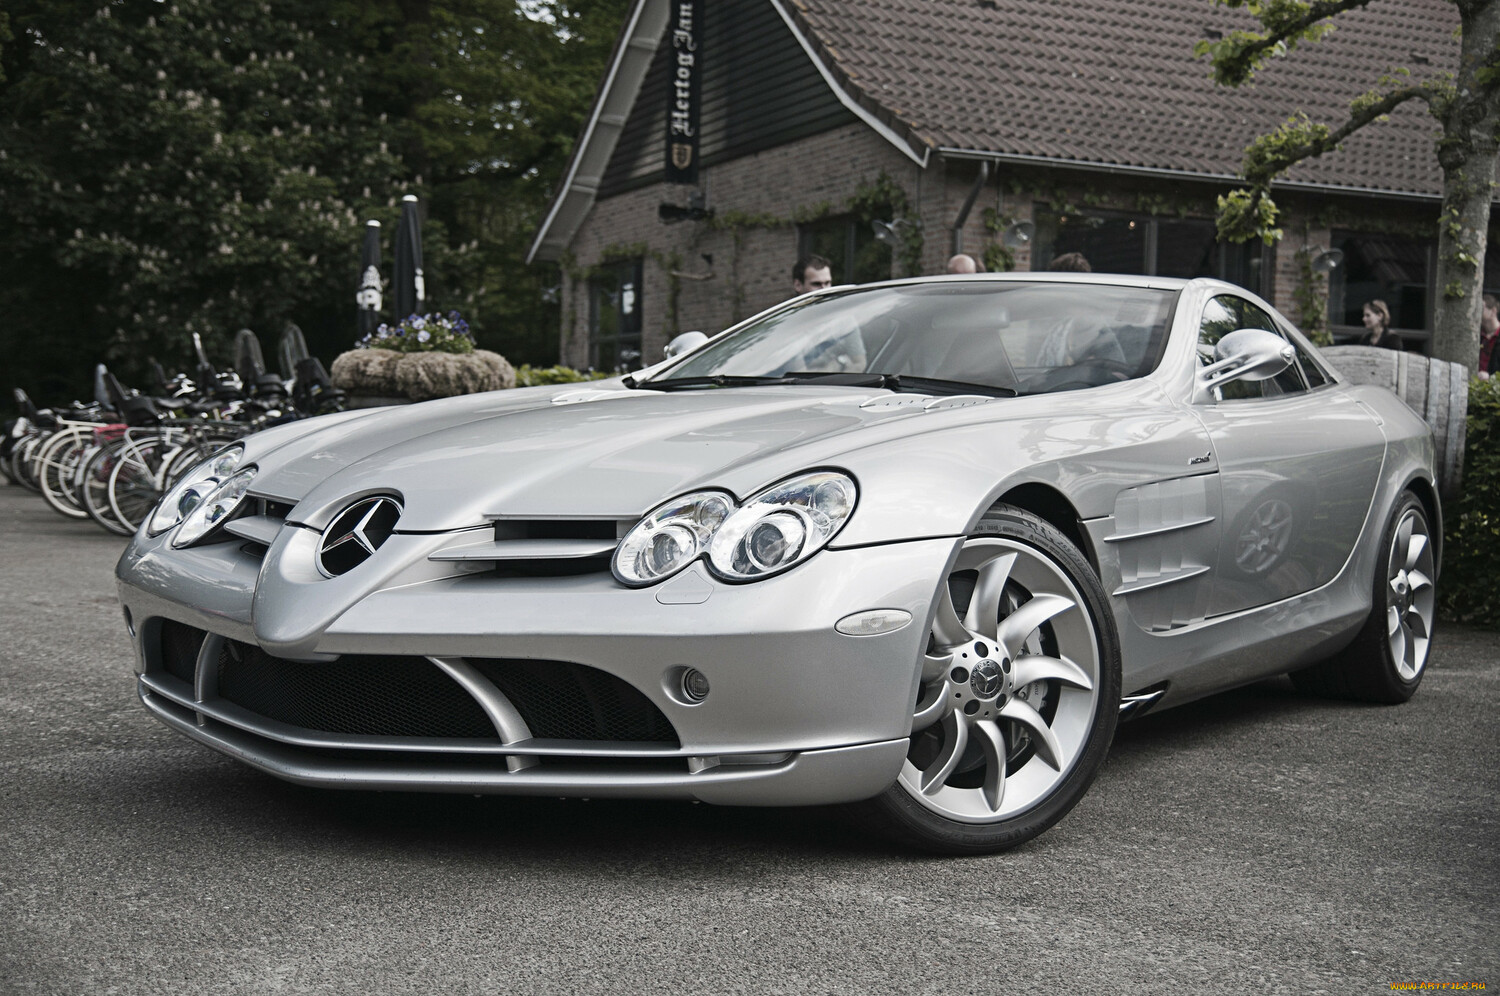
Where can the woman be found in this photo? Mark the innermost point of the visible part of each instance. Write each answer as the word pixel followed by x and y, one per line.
pixel 1377 320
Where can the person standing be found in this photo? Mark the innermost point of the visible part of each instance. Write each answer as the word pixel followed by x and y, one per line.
pixel 1377 322
pixel 1489 337
pixel 810 273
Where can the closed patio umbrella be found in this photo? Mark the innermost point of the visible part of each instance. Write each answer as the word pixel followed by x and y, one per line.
pixel 367 298
pixel 409 290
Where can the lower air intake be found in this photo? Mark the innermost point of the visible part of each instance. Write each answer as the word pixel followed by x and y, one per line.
pixel 370 695
pixel 565 701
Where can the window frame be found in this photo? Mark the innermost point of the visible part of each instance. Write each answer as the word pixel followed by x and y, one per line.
pixel 1216 396
pixel 628 274
pixel 1343 332
pixel 1151 245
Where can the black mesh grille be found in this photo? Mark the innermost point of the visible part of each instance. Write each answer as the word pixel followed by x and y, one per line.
pixel 179 649
pixel 565 701
pixel 376 696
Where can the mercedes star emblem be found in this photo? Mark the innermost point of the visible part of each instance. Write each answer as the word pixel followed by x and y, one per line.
pixel 356 533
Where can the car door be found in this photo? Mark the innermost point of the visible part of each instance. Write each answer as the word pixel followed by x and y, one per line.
pixel 1298 461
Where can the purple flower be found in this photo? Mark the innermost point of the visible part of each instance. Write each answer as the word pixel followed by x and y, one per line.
pixel 423 335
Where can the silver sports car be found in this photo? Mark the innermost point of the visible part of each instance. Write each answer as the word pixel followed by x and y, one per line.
pixel 915 545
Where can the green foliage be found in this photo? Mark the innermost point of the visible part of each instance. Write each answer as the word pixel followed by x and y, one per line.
pixel 529 376
pixel 1287 23
pixel 1470 587
pixel 431 333
pixel 872 200
pixel 998 257
pixel 1311 297
pixel 170 169
pixel 207 165
pixel 5 36
pixel 1247 214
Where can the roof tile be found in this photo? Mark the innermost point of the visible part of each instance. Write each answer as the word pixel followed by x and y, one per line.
pixel 1115 81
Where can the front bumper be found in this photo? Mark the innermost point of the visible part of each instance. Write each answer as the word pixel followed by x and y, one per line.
pixel 797 713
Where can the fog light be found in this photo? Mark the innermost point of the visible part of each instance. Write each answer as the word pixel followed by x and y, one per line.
pixel 873 622
pixel 694 685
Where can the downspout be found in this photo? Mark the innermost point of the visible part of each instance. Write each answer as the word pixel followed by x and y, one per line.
pixel 963 212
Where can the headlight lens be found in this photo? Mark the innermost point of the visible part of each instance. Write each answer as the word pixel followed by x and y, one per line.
pixel 782 526
pixel 192 487
pixel 670 538
pixel 776 529
pixel 214 509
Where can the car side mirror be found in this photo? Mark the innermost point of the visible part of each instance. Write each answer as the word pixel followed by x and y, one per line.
pixel 1246 354
pixel 684 343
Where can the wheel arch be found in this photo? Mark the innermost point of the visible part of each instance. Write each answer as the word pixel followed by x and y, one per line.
pixel 1052 506
pixel 1427 494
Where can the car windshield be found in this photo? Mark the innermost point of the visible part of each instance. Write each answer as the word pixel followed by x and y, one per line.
pixel 986 336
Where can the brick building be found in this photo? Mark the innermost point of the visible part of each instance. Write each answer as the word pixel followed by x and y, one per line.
pixel 729 136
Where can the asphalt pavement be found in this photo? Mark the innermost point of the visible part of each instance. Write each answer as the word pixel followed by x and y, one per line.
pixel 1256 842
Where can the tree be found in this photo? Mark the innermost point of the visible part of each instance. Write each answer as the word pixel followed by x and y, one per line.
pixel 489 96
pixel 207 165
pixel 1465 104
pixel 170 168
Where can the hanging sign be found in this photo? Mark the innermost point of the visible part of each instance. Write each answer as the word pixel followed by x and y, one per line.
pixel 684 91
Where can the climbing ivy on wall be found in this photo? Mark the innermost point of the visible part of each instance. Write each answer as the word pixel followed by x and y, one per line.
pixel 1310 294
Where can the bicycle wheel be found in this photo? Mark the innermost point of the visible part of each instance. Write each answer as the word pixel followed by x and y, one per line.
pixel 94 488
pixel 56 466
pixel 136 481
pixel 20 460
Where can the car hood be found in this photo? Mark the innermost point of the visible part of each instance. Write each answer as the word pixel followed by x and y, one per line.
pixel 590 452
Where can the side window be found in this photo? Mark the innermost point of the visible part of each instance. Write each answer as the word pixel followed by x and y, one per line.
pixel 1312 370
pixel 1225 314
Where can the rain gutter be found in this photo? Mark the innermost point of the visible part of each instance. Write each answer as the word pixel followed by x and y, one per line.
pixel 1022 159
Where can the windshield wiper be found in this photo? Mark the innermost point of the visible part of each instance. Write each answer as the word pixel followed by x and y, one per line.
pixel 890 382
pixel 842 379
pixel 715 380
pixel 906 382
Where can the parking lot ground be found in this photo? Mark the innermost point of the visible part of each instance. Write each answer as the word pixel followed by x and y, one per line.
pixel 1256 842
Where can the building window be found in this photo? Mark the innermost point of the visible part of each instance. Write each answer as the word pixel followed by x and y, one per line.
pixel 1117 242
pixel 1389 268
pixel 1492 268
pixel 849 244
pixel 615 316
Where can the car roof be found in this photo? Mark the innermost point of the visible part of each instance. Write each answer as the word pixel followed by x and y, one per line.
pixel 1041 276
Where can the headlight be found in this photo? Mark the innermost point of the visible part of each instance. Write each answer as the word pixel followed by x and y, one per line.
pixel 192 487
pixel 214 509
pixel 670 538
pixel 774 530
pixel 782 526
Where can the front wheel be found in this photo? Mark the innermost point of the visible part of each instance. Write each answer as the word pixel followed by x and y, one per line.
pixel 1019 696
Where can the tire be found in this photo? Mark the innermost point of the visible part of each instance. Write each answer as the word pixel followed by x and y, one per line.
pixel 57 465
pixel 21 465
pixel 94 488
pixel 135 481
pixel 1386 661
pixel 1017 705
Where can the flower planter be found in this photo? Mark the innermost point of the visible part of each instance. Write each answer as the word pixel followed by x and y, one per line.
pixel 392 376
